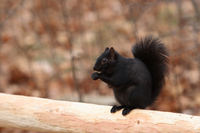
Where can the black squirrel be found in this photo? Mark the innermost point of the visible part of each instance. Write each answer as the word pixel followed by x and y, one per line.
pixel 137 81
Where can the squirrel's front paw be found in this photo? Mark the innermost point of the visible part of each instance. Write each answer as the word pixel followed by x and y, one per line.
pixel 95 76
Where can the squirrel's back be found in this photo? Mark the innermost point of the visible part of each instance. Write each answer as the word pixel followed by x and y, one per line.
pixel 155 56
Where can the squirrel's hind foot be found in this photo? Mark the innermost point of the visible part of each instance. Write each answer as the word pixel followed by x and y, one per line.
pixel 125 111
pixel 116 108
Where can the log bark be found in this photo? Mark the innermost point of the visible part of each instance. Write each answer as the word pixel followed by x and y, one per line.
pixel 38 114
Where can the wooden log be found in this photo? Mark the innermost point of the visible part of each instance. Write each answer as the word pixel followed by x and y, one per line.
pixel 46 115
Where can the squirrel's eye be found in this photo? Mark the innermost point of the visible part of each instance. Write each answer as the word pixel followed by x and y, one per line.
pixel 104 60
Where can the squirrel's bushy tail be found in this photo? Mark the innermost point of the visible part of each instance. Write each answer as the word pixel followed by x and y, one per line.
pixel 155 56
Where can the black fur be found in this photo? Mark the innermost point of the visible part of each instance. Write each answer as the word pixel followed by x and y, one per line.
pixel 136 82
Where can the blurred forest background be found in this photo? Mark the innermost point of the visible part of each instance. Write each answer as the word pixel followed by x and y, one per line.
pixel 48 47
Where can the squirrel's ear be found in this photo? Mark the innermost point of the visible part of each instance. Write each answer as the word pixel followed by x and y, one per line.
pixel 112 53
pixel 106 49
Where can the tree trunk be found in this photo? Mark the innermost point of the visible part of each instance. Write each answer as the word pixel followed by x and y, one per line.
pixel 46 115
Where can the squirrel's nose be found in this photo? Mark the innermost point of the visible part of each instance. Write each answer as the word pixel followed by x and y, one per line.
pixel 94 68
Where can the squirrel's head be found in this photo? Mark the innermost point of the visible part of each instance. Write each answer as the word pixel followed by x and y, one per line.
pixel 105 61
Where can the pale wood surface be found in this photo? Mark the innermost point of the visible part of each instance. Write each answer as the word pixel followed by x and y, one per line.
pixel 46 115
